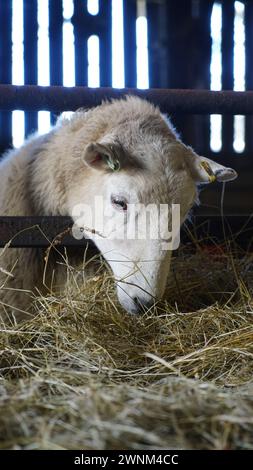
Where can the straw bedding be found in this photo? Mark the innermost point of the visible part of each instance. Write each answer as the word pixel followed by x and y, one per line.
pixel 83 374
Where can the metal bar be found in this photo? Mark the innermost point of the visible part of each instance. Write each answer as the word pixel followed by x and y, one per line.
pixel 5 68
pixel 104 31
pixel 81 51
pixel 56 45
pixel 130 14
pixel 159 44
pixel 184 101
pixel 227 70
pixel 41 232
pixel 36 231
pixel 55 36
pixel 30 58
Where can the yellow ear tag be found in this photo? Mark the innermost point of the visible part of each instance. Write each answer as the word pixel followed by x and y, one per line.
pixel 205 165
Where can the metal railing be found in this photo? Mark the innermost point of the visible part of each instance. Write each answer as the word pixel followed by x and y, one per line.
pixel 42 231
pixel 58 99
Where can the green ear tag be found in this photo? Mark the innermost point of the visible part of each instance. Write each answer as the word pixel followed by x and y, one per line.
pixel 114 165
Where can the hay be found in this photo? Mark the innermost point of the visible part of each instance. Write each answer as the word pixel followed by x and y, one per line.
pixel 83 374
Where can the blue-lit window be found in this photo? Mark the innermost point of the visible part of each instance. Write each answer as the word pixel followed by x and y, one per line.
pixel 239 73
pixel 142 45
pixel 93 7
pixel 93 61
pixel 18 117
pixel 68 44
pixel 118 59
pixel 43 60
pixel 118 62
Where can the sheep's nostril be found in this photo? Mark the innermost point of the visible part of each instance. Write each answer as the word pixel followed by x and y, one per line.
pixel 143 304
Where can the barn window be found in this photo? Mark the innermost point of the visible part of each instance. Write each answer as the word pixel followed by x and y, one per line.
pixel 68 44
pixel 130 54
pixel 18 119
pixel 93 61
pixel 93 7
pixel 68 58
pixel 118 69
pixel 43 60
pixel 142 45
pixel 238 73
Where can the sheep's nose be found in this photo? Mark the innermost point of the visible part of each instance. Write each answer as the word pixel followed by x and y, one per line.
pixel 135 304
pixel 143 304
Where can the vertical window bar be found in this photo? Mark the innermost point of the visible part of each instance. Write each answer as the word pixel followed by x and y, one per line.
pixel 81 36
pixel 227 72
pixel 158 20
pixel 43 59
pixel 17 43
pixel 239 73
pixel 129 17
pixel 55 46
pixel 17 68
pixel 216 75
pixel 30 58
pixel 105 42
pixel 5 69
pixel 142 45
pixel 68 58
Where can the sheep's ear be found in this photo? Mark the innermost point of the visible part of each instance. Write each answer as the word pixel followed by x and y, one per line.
pixel 204 170
pixel 102 156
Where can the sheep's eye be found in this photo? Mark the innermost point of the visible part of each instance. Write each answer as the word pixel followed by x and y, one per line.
pixel 119 203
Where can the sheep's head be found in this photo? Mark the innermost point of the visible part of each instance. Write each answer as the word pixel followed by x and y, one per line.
pixel 142 182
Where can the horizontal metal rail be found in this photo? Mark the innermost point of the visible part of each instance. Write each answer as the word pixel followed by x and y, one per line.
pixel 41 232
pixel 57 99
pixel 37 231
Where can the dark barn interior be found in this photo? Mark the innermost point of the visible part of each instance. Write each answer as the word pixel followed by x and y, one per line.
pixel 82 373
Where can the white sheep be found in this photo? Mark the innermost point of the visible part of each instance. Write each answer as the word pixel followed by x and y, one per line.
pixel 124 152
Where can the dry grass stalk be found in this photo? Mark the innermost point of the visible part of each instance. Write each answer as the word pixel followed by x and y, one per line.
pixel 84 374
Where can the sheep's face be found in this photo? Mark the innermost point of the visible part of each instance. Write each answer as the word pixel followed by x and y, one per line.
pixel 132 204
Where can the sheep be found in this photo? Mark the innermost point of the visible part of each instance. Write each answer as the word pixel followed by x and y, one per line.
pixel 125 152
